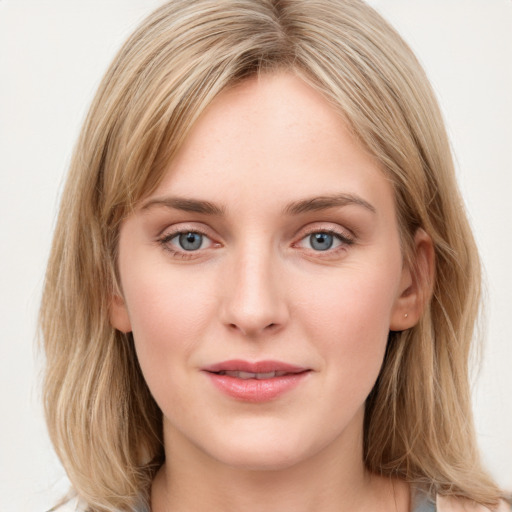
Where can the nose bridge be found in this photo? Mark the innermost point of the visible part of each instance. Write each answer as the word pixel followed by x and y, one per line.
pixel 253 295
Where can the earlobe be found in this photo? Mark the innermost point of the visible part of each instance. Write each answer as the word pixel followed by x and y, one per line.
pixel 416 284
pixel 119 318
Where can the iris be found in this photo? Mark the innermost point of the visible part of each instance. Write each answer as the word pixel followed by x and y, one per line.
pixel 190 241
pixel 321 241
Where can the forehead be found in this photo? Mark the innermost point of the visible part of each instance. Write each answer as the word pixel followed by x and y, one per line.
pixel 272 139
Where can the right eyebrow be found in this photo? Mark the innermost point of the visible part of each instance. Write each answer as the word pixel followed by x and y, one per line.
pixel 186 205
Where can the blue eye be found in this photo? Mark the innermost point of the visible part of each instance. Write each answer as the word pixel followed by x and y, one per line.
pixel 327 241
pixel 187 244
pixel 321 241
pixel 190 241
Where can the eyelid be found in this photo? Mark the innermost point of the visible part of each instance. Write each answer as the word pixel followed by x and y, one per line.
pixel 169 233
pixel 171 236
pixel 342 232
pixel 345 237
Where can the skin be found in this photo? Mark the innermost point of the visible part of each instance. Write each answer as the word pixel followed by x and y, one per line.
pixel 257 289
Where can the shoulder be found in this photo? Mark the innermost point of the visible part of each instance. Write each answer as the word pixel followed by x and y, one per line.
pixel 424 502
pixel 450 504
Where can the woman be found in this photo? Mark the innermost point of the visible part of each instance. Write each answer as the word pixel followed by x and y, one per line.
pixel 263 286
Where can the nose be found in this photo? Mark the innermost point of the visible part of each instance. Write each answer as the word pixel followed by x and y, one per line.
pixel 253 295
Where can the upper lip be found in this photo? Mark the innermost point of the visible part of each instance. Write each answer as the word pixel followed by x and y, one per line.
pixel 254 367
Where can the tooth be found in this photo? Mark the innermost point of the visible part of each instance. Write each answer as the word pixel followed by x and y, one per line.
pixel 268 375
pixel 246 375
pixel 280 374
pixel 249 375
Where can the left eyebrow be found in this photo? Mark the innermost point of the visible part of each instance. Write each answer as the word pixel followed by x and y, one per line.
pixel 325 202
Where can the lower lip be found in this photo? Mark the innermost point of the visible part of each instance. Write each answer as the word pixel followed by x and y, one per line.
pixel 256 390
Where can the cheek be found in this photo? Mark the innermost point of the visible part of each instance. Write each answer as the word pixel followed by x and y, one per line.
pixel 169 318
pixel 169 315
pixel 164 303
pixel 354 300
pixel 349 317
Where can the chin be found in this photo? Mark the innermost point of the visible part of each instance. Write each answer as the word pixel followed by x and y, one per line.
pixel 260 460
pixel 263 451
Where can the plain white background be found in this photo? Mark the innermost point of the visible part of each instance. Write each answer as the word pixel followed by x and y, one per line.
pixel 52 56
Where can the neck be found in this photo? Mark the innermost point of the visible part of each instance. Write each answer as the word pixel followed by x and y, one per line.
pixel 334 479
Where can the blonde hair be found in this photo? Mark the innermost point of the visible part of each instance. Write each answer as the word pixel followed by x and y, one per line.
pixel 103 421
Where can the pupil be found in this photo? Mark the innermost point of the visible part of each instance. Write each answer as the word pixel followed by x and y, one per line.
pixel 191 241
pixel 321 241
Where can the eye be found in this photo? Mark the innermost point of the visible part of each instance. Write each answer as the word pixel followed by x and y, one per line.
pixel 185 242
pixel 325 240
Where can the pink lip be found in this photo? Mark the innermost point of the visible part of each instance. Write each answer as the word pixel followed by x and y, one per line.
pixel 255 390
pixel 256 367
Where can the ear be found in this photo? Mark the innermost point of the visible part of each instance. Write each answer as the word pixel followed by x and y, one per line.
pixel 416 284
pixel 119 318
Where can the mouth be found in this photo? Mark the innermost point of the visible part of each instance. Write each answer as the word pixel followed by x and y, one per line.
pixel 261 381
pixel 263 368
pixel 249 375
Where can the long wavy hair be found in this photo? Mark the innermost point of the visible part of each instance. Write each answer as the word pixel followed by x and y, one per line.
pixel 102 419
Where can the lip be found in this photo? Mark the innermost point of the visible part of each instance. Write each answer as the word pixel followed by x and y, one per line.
pixel 252 389
pixel 254 367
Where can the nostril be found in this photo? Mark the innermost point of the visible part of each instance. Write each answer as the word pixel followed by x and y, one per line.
pixel 248 331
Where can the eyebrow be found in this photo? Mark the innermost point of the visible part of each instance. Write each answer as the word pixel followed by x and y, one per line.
pixel 311 204
pixel 325 202
pixel 186 205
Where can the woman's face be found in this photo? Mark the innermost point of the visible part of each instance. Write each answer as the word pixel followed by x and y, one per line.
pixel 271 245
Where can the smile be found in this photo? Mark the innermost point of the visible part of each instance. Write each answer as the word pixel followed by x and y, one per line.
pixel 262 381
pixel 250 375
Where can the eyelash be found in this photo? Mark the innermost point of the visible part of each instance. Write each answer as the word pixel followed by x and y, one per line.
pixel 165 240
pixel 345 240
